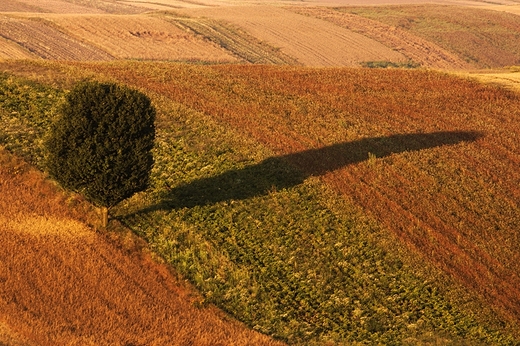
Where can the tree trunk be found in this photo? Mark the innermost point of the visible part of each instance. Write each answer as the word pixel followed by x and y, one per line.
pixel 104 217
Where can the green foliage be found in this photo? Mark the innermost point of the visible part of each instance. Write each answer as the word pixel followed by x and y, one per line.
pixel 101 143
pixel 26 111
pixel 387 64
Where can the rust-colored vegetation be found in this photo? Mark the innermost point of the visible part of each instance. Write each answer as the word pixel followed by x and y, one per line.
pixel 456 202
pixel 62 283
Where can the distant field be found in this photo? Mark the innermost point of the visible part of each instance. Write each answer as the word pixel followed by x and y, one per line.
pixel 481 37
pixel 44 41
pixel 470 35
pixel 310 41
pixel 413 47
pixel 141 37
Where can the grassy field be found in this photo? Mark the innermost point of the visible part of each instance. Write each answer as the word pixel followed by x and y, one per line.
pixel 322 205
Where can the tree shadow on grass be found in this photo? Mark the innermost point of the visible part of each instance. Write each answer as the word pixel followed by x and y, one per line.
pixel 286 171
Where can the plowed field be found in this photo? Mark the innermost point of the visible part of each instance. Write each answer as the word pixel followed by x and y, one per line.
pixel 47 42
pixel 415 48
pixel 78 6
pixel 311 41
pixel 56 6
pixel 141 37
pixel 10 50
pixel 61 283
pixel 434 36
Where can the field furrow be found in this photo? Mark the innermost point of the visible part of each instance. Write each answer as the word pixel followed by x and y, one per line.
pixel 235 41
pixel 47 42
pixel 142 37
pixel 47 6
pixel 417 49
pixel 11 50
pixel 481 37
pixel 311 41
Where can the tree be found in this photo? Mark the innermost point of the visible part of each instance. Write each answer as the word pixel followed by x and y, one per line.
pixel 100 144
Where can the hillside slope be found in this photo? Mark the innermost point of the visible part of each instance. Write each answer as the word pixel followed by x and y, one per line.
pixel 483 38
pixel 325 204
pixel 62 283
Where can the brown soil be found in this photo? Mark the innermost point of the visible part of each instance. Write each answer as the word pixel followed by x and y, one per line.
pixel 62 283
pixel 46 42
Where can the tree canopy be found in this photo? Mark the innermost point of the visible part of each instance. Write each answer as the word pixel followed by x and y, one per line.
pixel 100 144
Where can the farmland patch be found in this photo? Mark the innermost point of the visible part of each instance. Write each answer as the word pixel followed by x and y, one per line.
pixel 48 6
pixel 481 37
pixel 142 37
pixel 47 42
pixel 415 48
pixel 311 41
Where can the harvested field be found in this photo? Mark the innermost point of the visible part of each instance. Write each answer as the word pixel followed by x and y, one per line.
pixel 17 6
pixel 282 33
pixel 236 41
pixel 167 4
pixel 311 41
pixel 141 37
pixel 57 6
pixel 415 48
pixel 47 42
pixel 61 283
pixel 71 6
pixel 11 50
pixel 483 38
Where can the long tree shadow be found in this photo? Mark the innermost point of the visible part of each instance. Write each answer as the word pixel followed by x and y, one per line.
pixel 289 170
